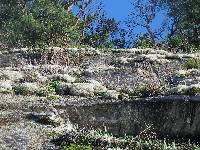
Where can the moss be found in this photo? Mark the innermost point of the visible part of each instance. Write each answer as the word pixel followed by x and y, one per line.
pixel 195 91
pixel 182 73
pixel 192 63
pixel 53 97
pixel 77 147
pixel 22 90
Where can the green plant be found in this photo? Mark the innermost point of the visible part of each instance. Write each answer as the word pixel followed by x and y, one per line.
pixel 53 86
pixel 144 42
pixel 195 91
pixel 40 23
pixel 20 90
pixel 179 43
pixel 50 91
pixel 150 89
pixel 77 147
pixel 53 97
pixel 192 63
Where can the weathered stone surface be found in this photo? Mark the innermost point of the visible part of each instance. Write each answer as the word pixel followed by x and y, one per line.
pixel 94 102
pixel 11 75
pixel 173 116
pixel 23 136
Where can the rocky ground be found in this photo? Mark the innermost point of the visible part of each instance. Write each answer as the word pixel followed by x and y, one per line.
pixel 33 87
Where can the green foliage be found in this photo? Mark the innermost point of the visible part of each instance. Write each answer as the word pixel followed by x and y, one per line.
pixel 179 43
pixel 192 63
pixel 41 23
pixel 185 15
pixel 144 42
pixel 77 147
pixel 100 33
pixel 146 90
pixel 53 97
pixel 50 91
pixel 20 90
pixel 195 91
pixel 53 86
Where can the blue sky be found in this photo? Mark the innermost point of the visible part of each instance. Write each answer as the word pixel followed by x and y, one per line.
pixel 120 9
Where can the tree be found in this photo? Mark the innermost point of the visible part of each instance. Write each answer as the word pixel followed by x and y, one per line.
pixel 143 15
pixel 185 30
pixel 100 32
pixel 40 23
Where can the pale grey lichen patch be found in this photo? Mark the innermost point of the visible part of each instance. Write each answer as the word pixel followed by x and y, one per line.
pixel 6 86
pixel 86 89
pixel 62 77
pixel 193 89
pixel 81 89
pixel 11 75
pixel 111 94
pixel 99 68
